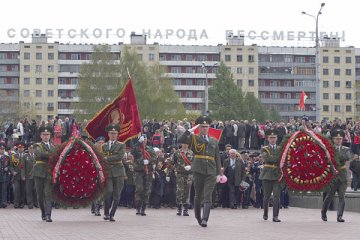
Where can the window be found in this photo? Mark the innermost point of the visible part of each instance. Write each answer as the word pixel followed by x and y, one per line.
pixel 189 69
pixel 251 58
pixel 201 82
pixel 201 94
pixel 325 71
pixel 325 108
pixel 239 82
pixel 38 56
pixel 38 81
pixel 50 81
pixel 189 82
pixel 50 93
pixel 26 81
pixel 175 69
pixel 176 82
pixel 26 68
pixel 188 94
pixel 239 70
pixel 348 59
pixel 50 56
pixel 239 58
pixel 325 95
pixel 38 106
pixel 337 83
pixel 75 56
pixel 227 58
pixel 337 72
pixel 26 55
pixel 140 57
pixel 51 68
pixel 325 84
pixel 189 57
pixel 38 68
pixel 251 83
pixel 348 108
pixel 38 93
pixel 50 106
pixel 337 96
pixel 336 59
pixel 287 95
pixel 151 57
pixel 26 105
pixel 26 93
pixel 251 70
pixel 348 84
pixel 176 57
pixel 348 96
pixel 325 59
pixel 274 95
pixel 337 108
pixel 348 72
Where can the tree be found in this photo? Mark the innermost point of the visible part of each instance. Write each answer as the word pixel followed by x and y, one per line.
pixel 103 78
pixel 225 98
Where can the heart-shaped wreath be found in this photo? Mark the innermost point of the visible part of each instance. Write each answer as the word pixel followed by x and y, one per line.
pixel 308 161
pixel 77 171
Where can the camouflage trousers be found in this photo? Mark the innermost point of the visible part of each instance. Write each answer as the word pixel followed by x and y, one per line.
pixel 143 184
pixel 183 185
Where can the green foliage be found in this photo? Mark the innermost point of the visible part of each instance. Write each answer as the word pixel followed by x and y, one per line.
pixel 102 80
pixel 227 101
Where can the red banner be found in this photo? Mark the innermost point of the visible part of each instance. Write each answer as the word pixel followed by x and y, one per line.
pixel 123 110
pixel 213 132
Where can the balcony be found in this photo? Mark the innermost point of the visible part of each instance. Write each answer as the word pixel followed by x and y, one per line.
pixel 9 99
pixel 9 61
pixel 9 86
pixel 285 76
pixel 69 74
pixel 189 87
pixel 68 99
pixel 284 101
pixel 9 74
pixel 286 89
pixel 187 63
pixel 65 111
pixel 285 64
pixel 190 75
pixel 192 100
pixel 67 86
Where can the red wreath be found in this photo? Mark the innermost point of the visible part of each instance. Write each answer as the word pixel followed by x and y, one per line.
pixel 308 161
pixel 77 170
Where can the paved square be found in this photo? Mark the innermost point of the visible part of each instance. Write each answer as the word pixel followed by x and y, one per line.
pixel 297 223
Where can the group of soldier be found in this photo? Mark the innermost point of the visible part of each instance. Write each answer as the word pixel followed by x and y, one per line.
pixel 197 162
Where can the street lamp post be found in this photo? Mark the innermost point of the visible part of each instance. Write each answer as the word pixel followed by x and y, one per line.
pixel 206 87
pixel 317 61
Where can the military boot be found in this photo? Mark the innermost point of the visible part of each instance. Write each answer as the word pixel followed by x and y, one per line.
pixel 48 208
pixel 266 210
pixel 93 207
pixel 340 212
pixel 113 210
pixel 107 204
pixel 206 214
pixel 97 209
pixel 197 212
pixel 185 212
pixel 179 207
pixel 276 213
pixel 143 207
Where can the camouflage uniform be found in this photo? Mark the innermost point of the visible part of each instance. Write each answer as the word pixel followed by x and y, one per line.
pixel 143 177
pixel 183 179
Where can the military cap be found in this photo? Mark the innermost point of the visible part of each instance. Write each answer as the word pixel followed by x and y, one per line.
pixel 203 120
pixel 101 138
pixel 305 118
pixel 2 145
pixel 271 133
pixel 20 144
pixel 337 133
pixel 244 152
pixel 112 128
pixel 45 129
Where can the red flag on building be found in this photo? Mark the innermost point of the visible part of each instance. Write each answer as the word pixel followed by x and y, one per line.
pixel 303 97
pixel 213 132
pixel 123 110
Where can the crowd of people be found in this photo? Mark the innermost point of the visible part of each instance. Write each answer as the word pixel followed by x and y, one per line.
pixel 171 181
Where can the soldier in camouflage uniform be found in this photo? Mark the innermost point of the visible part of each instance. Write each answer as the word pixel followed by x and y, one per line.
pixel 96 205
pixel 340 184
pixel 114 152
pixel 270 174
pixel 181 160
pixel 206 166
pixel 17 170
pixel 144 159
pixel 4 175
pixel 42 178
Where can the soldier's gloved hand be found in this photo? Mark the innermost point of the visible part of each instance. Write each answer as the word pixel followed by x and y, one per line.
pixel 141 139
pixel 192 130
pixel 146 162
pixel 167 179
pixel 218 178
pixel 187 167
